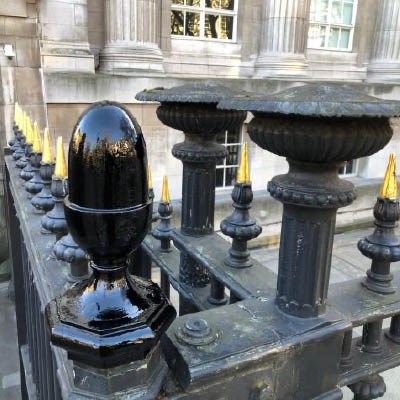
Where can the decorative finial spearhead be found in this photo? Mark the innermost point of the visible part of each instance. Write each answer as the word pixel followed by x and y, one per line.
pixel 47 157
pixel 243 173
pixel 60 170
pixel 28 131
pixel 108 197
pixel 37 140
pixel 389 187
pixel 165 198
pixel 24 122
pixel 149 177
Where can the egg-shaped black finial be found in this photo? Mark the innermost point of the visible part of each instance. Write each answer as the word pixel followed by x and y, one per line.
pixel 112 317
pixel 107 166
pixel 108 207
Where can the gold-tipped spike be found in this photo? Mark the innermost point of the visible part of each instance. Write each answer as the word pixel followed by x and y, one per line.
pixel 149 177
pixel 24 122
pixel 243 173
pixel 165 191
pixel 60 170
pixel 47 157
pixel 389 187
pixel 37 140
pixel 28 131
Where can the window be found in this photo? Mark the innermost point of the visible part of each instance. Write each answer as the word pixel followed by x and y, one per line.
pixel 206 19
pixel 226 172
pixel 332 24
pixel 348 169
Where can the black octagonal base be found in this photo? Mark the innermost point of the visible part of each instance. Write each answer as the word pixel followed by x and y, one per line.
pixel 105 323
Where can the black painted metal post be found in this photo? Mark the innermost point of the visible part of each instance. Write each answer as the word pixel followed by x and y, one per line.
pixel 383 246
pixel 112 319
pixel 163 230
pixel 394 330
pixel 192 110
pixel 217 293
pixel 311 125
pixel 26 145
pixel 240 226
pixel 43 200
pixel 372 337
pixel 346 361
pixel 199 156
pixel 28 171
pixel 35 185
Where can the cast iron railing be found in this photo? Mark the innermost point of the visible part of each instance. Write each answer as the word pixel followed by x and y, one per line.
pixel 237 337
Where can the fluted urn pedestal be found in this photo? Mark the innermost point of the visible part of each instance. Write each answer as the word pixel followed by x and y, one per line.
pixel 193 109
pixel 111 320
pixel 317 128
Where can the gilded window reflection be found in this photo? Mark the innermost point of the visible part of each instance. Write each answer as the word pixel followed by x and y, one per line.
pixel 221 4
pixel 211 19
pixel 185 23
pixel 218 26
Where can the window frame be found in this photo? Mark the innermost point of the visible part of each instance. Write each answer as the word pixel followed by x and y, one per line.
pixel 354 171
pixel 203 10
pixel 330 25
pixel 224 165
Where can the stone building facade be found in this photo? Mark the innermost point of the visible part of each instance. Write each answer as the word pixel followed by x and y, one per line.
pixel 70 53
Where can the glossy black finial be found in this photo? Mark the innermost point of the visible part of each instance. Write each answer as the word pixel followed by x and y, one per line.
pixel 19 149
pixel 383 246
pixel 43 200
pixel 54 220
pixel 111 318
pixel 28 171
pixel 35 184
pixel 240 226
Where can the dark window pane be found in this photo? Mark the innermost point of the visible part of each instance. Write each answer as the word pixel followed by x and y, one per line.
pixel 348 168
pixel 192 25
pixel 218 26
pixel 219 177
pixel 177 21
pixel 178 2
pixel 230 176
pixel 234 136
pixel 233 155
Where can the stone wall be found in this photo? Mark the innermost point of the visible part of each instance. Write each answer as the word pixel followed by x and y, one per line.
pixel 20 79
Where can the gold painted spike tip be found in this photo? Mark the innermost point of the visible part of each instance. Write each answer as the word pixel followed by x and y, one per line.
pixel 389 187
pixel 28 131
pixel 37 140
pixel 47 157
pixel 165 191
pixel 60 170
pixel 149 177
pixel 243 173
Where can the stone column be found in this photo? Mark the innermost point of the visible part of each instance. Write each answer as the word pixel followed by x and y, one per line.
pixel 64 36
pixel 385 54
pixel 283 39
pixel 132 37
